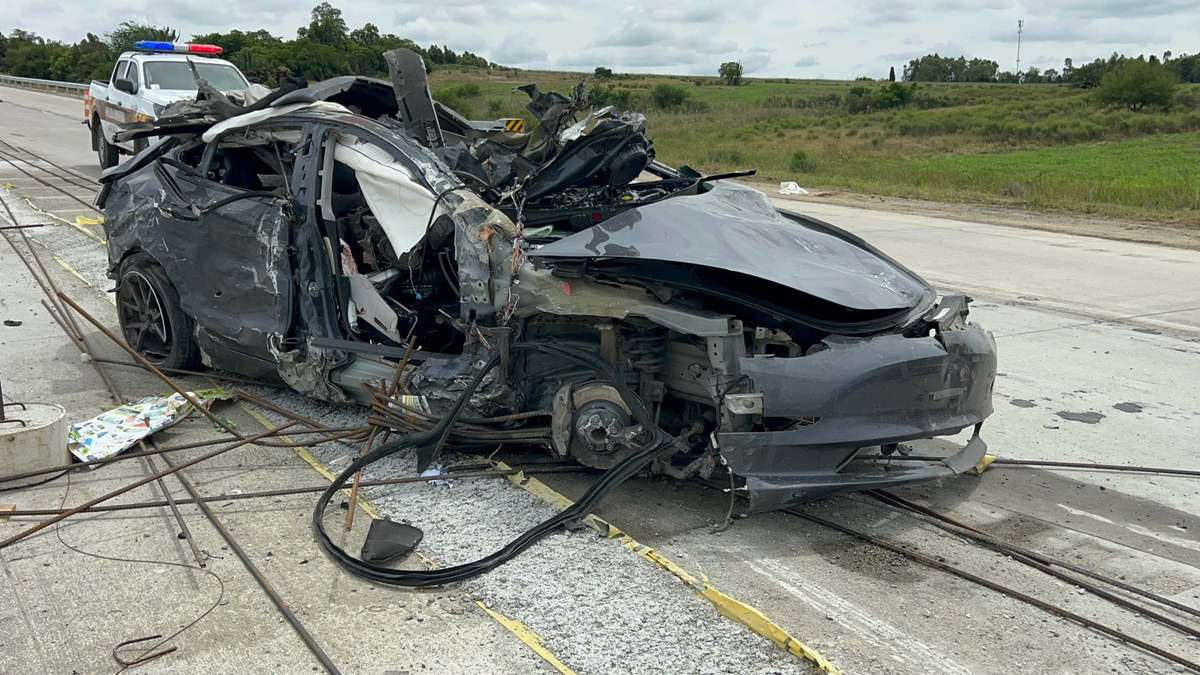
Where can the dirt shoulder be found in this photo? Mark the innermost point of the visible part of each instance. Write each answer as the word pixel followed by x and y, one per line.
pixel 1148 232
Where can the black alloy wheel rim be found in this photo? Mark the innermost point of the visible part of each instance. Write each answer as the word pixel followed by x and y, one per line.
pixel 143 320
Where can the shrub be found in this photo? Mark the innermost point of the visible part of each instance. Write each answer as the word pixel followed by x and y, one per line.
pixel 494 105
pixel 463 90
pixel 622 99
pixel 668 96
pixel 456 103
pixel 802 162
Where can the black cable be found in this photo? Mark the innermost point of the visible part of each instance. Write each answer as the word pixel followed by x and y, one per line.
pixel 418 441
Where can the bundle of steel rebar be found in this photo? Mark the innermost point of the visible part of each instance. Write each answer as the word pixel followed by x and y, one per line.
pixel 392 414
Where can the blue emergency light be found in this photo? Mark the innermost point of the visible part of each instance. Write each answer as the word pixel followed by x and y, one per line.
pixel 156 46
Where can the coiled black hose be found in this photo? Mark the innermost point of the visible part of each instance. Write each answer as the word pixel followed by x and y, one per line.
pixel 435 437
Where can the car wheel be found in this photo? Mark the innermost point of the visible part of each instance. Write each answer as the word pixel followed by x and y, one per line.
pixel 109 154
pixel 151 319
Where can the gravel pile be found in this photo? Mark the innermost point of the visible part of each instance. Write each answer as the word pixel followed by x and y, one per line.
pixel 600 607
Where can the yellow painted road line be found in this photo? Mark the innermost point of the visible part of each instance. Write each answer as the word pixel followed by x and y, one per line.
pixel 75 225
pixel 731 607
pixel 528 636
pixel 514 626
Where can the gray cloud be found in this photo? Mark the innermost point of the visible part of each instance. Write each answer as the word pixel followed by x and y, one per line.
pixel 1109 9
pixel 756 60
pixel 807 62
pixel 810 45
pixel 518 49
pixel 943 48
pixel 1083 32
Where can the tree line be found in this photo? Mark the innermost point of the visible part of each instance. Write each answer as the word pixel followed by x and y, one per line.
pixel 325 48
pixel 937 68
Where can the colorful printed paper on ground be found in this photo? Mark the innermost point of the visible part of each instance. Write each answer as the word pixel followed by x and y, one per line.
pixel 111 432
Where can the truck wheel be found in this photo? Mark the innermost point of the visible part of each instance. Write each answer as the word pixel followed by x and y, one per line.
pixel 151 320
pixel 109 154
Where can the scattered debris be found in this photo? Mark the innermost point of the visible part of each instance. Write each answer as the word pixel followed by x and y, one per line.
pixel 791 188
pixel 120 428
pixel 387 540
pixel 12 323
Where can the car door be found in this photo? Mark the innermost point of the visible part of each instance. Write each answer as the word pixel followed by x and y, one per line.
pixel 113 106
pixel 228 256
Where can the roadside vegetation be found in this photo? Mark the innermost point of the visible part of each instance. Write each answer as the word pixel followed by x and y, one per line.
pixel 1117 137
pixel 1126 149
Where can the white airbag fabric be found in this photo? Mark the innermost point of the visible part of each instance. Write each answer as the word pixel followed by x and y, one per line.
pixel 400 204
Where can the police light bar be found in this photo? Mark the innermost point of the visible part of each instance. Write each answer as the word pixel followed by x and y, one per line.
pixel 154 46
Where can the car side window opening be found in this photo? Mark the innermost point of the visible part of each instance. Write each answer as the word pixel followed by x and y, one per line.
pixel 121 69
pixel 402 276
pixel 258 160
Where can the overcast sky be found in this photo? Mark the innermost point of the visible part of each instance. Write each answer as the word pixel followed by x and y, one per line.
pixel 772 38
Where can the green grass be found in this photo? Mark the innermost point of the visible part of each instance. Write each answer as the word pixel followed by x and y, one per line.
pixel 1032 146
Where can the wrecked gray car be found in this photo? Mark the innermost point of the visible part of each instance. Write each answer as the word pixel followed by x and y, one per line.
pixel 321 235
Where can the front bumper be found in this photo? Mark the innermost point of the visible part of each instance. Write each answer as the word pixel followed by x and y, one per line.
pixel 863 392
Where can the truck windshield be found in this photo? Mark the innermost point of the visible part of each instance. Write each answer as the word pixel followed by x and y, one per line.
pixel 177 75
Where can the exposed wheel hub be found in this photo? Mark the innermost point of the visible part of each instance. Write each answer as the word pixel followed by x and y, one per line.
pixel 598 426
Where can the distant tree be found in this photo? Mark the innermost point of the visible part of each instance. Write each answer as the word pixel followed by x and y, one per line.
pixel 1089 76
pixel 3 50
pixel 327 27
pixel 1186 68
pixel 937 68
pixel 1136 84
pixel 366 36
pixel 601 73
pixel 1052 76
pixel 121 40
pixel 892 74
pixel 312 60
pixel 88 59
pixel 731 72
pixel 29 55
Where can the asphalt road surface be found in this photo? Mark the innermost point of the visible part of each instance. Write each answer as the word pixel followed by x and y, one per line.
pixel 1099 347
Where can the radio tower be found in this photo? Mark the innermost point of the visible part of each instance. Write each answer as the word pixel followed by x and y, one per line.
pixel 1020 29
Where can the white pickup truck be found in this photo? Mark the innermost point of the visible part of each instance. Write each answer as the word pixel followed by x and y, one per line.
pixel 156 75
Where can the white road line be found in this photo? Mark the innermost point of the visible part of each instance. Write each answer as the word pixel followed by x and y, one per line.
pixel 903 647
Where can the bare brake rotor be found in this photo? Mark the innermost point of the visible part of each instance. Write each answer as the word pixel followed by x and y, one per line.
pixel 593 424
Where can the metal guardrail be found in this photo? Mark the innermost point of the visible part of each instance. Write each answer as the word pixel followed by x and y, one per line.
pixel 67 88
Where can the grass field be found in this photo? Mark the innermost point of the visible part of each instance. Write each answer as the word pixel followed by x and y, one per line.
pixel 1033 146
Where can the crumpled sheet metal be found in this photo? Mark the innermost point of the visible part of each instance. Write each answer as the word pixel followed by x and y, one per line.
pixel 205 260
pixel 735 228
pixel 310 376
pixel 483 243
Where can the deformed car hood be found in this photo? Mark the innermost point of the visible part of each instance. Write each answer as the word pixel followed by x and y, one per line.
pixel 736 228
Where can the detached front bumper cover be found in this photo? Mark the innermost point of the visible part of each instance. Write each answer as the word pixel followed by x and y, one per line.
pixel 864 393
